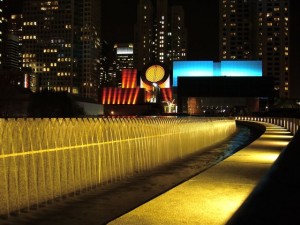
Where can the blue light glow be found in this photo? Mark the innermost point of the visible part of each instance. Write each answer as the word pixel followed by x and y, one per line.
pixel 241 68
pixel 192 69
pixel 230 68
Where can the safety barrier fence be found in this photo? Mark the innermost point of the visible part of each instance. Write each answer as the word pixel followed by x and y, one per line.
pixel 46 159
pixel 275 200
pixel 291 124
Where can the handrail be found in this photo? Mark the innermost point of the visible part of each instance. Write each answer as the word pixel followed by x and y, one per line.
pixel 275 200
pixel 291 124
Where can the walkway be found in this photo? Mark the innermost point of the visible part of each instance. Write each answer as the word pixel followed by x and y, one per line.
pixel 214 195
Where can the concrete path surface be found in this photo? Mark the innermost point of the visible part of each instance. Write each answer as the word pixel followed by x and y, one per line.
pixel 214 195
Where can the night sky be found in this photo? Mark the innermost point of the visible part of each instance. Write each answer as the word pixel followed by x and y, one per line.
pixel 119 17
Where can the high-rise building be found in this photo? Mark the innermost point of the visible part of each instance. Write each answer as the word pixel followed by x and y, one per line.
pixel 14 42
pixel 15 25
pixel 160 34
pixel 273 42
pixel 123 59
pixel 2 32
pixel 89 82
pixel 161 31
pixel 294 79
pixel 104 79
pixel 178 49
pixel 259 30
pixel 235 33
pixel 144 34
pixel 13 51
pixel 61 45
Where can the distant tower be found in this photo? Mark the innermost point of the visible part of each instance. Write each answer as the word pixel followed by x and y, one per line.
pixel 104 79
pixel 160 34
pixel 14 42
pixel 161 31
pixel 2 32
pixel 13 50
pixel 61 45
pixel 236 35
pixel 258 29
pixel 178 49
pixel 273 42
pixel 89 81
pixel 144 34
pixel 123 59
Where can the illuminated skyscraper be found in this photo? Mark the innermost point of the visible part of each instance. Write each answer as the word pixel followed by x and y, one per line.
pixel 61 45
pixel 144 34
pixel 161 31
pixel 89 76
pixel 104 79
pixel 14 42
pixel 160 34
pixel 2 32
pixel 124 55
pixel 258 29
pixel 13 53
pixel 123 59
pixel 273 42
pixel 178 35
pixel 235 33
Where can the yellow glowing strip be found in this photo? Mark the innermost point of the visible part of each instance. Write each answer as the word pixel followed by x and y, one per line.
pixel 79 146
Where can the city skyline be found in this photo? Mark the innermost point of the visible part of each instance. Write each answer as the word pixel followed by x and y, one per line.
pixel 201 22
pixel 118 22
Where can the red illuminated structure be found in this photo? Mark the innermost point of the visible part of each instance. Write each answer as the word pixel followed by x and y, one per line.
pixel 132 98
pixel 129 78
pixel 129 94
pixel 166 95
pixel 120 96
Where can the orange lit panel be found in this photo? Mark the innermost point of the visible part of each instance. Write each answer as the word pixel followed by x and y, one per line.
pixel 129 78
pixel 135 96
pixel 104 96
pixel 114 99
pixel 120 96
pixel 166 94
pixel 109 96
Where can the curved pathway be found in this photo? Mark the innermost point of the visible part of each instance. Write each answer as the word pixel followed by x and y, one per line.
pixel 214 195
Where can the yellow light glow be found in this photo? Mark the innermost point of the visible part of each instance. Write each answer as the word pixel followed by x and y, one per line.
pixel 276 136
pixel 155 73
pixel 213 196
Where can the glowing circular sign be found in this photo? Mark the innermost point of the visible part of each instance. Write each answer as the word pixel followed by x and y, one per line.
pixel 155 73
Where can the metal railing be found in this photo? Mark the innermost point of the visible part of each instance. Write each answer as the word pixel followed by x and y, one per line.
pixel 290 124
pixel 275 200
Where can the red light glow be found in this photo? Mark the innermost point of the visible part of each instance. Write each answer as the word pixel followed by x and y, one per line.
pixel 129 78
pixel 118 96
pixel 166 94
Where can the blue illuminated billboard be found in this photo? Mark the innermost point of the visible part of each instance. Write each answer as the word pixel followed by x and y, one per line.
pixel 230 68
